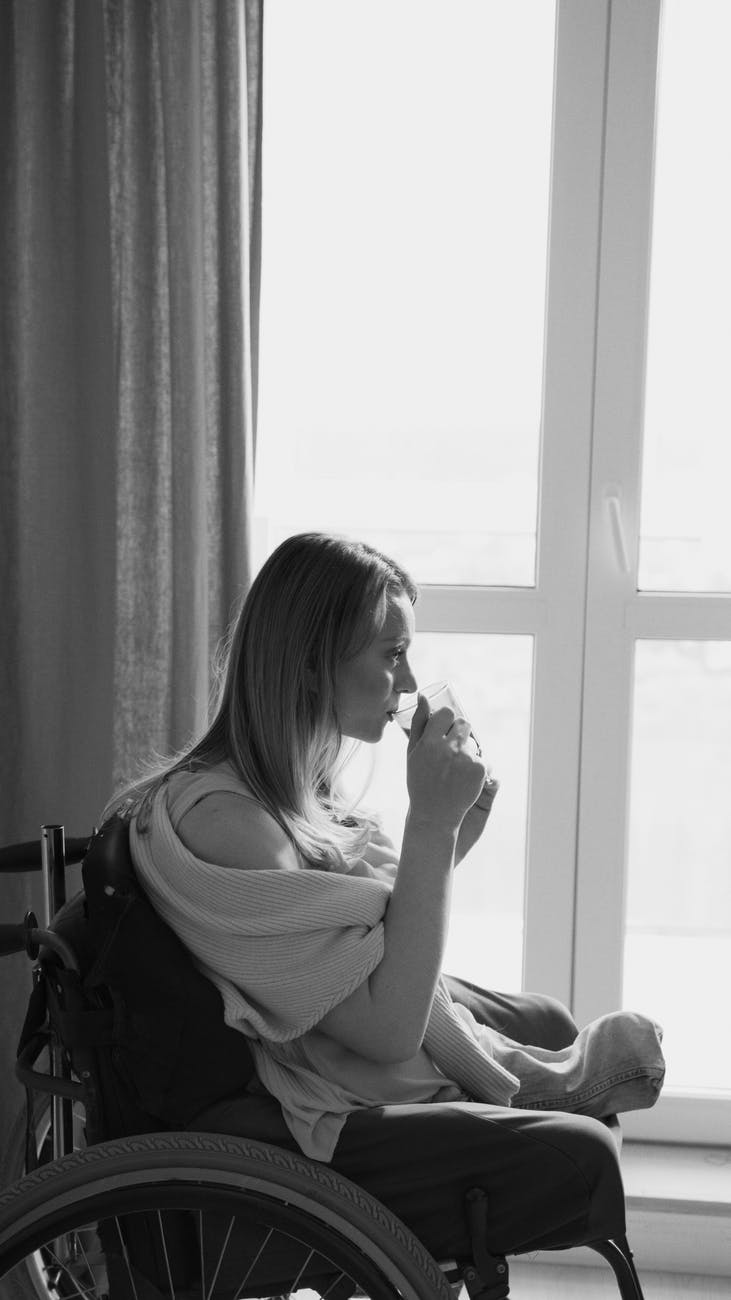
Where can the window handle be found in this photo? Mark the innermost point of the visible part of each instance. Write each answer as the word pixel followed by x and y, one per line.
pixel 614 506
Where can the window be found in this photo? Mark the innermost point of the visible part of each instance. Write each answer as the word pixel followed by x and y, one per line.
pixel 462 362
pixel 402 347
pixel 658 629
pixel 406 302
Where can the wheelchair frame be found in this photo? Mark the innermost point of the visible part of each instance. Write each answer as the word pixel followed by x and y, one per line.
pixel 229 1169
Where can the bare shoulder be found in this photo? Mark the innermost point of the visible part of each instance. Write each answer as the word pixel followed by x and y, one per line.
pixel 231 830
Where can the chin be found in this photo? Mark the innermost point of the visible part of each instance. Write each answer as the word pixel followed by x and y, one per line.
pixel 378 730
pixel 368 735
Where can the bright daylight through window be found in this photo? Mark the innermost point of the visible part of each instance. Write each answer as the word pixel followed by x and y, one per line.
pixel 402 345
pixel 405 264
pixel 678 940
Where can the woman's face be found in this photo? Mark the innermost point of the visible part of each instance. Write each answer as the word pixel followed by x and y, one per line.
pixel 368 686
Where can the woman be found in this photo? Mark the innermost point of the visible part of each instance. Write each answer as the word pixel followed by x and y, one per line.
pixel 326 947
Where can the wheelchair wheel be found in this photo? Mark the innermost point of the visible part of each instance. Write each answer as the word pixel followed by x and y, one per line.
pixel 189 1215
pixel 12 1160
pixel 27 1283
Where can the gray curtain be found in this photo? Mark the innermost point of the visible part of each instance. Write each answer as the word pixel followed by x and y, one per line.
pixel 130 135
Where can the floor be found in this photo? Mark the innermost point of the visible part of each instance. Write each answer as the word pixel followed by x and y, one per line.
pixel 534 1280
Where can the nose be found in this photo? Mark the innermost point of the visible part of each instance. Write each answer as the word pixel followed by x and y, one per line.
pixel 406 683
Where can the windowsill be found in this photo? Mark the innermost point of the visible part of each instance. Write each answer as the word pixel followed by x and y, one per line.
pixel 678 1209
pixel 679 1179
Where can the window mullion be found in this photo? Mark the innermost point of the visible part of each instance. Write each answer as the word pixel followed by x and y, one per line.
pixel 615 496
pixel 668 616
pixel 507 611
pixel 564 496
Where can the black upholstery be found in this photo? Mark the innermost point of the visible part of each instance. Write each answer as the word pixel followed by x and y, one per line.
pixel 171 1047
pixel 139 1018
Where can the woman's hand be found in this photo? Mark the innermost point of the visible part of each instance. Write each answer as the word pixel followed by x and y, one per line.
pixel 443 774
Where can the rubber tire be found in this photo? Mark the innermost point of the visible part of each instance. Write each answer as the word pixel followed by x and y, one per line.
pixel 13 1168
pixel 71 1191
pixel 12 1161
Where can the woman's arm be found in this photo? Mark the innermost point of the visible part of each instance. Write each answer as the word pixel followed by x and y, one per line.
pixel 475 819
pixel 234 831
pixel 386 1017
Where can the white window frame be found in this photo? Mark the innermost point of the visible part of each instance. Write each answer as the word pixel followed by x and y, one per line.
pixel 585 612
pixel 617 614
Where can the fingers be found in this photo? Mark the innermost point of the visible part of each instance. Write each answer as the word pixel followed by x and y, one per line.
pixel 458 735
pixel 444 722
pixel 486 797
pixel 441 720
pixel 444 773
pixel 419 720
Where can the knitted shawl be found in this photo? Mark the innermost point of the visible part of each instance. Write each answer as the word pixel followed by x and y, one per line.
pixel 284 947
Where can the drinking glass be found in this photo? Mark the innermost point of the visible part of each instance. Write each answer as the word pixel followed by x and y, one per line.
pixel 439 695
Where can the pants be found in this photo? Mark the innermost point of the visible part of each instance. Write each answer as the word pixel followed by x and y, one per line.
pixel 552 1179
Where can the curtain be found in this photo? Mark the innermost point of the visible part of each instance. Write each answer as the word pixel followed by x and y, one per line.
pixel 130 140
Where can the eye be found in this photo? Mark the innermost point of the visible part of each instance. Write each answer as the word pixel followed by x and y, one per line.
pixel 396 655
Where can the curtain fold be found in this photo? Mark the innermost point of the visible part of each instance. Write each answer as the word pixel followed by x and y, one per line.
pixel 130 141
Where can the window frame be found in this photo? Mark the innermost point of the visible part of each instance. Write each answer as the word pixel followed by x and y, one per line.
pixel 617 613
pixel 585 612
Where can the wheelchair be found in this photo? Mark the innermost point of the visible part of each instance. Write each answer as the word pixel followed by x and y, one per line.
pixel 122 1196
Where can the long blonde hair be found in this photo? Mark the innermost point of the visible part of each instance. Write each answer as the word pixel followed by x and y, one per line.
pixel 317 601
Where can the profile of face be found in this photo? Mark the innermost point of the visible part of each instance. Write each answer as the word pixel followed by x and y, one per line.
pixel 368 685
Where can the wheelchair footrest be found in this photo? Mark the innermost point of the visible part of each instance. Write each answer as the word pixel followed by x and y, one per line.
pixel 487 1277
pixel 478 1290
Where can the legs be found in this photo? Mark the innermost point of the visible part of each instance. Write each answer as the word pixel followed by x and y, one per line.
pixel 614 1063
pixel 551 1179
pixel 531 1018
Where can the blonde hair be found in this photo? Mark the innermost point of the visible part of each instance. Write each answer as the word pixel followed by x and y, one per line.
pixel 317 600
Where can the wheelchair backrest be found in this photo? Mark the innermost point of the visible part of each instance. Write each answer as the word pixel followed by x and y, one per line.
pixel 150 1021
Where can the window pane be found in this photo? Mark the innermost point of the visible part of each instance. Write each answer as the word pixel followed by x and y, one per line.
pixel 686 523
pixel 404 264
pixel 678 929
pixel 492 678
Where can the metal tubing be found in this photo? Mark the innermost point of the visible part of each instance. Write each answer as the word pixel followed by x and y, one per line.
pixel 54 885
pixel 624 1270
pixel 53 852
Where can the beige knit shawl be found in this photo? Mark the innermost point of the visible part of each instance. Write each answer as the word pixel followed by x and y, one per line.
pixel 285 947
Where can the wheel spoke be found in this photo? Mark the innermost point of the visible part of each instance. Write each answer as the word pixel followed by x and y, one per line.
pixel 221 1254
pixel 87 1262
pixel 301 1273
pixel 165 1253
pixel 125 1256
pixel 65 1271
pixel 340 1288
pixel 253 1264
pixel 203 1262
